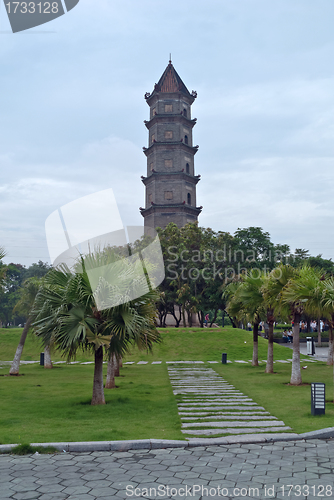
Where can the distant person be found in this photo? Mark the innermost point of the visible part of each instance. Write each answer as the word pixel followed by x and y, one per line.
pixel 290 336
pixel 285 337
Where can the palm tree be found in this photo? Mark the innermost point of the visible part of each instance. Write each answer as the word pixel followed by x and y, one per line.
pixel 246 300
pixel 66 312
pixel 28 294
pixel 327 303
pixel 2 255
pixel 302 292
pixel 272 288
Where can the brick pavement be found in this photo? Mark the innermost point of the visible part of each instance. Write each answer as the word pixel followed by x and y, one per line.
pixel 233 471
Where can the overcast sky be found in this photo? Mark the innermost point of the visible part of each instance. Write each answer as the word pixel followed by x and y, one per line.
pixel 72 111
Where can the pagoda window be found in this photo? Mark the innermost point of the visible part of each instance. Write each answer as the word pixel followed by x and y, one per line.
pixel 189 199
pixel 168 195
pixel 187 168
pixel 185 112
pixel 186 139
pixel 168 108
pixel 150 198
pixel 151 166
pixel 154 111
pixel 153 138
pixel 168 134
pixel 168 163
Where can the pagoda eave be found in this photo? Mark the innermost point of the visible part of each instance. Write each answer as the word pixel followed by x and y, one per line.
pixel 194 179
pixel 193 149
pixel 171 208
pixel 170 118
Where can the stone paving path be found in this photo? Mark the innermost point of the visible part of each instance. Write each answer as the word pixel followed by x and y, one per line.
pixel 209 406
pixel 4 364
pixel 284 470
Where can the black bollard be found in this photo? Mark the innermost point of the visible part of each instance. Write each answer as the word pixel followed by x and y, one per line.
pixel 224 358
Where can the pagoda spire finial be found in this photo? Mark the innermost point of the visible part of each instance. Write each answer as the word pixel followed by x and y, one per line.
pixel 170 58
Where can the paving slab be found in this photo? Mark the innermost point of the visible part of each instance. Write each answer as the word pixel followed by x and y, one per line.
pixel 254 466
pixel 204 389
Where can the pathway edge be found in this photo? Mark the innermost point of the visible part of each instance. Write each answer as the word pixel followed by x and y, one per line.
pixel 154 444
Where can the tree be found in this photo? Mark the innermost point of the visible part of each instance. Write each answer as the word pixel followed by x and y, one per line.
pixel 272 288
pixel 37 270
pixel 302 292
pixel 246 300
pixel 66 313
pixel 2 267
pixel 2 253
pixel 9 296
pixel 327 308
pixel 28 294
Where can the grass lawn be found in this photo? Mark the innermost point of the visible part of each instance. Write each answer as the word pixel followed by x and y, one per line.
pixel 292 404
pixel 204 344
pixel 54 405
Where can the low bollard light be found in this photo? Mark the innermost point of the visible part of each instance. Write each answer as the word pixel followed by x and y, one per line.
pixel 317 398
pixel 310 346
pixel 41 359
pixel 224 358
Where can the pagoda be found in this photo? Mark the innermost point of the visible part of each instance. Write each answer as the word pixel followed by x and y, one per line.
pixel 170 181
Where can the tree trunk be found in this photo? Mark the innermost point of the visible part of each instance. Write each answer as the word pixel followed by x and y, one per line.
pixel 214 318
pixel 232 320
pixel 308 323
pixel 296 376
pixel 98 393
pixel 200 316
pixel 190 319
pixel 14 369
pixel 270 355
pixel 330 344
pixel 319 333
pixel 255 359
pixel 47 357
pixel 110 382
pixel 177 320
pixel 184 317
pixel 117 367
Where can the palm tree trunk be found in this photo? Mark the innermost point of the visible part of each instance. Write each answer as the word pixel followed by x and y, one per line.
pixel 98 393
pixel 330 360
pixel 296 376
pixel 319 333
pixel 255 359
pixel 14 369
pixel 270 355
pixel 47 357
pixel 117 367
pixel 110 382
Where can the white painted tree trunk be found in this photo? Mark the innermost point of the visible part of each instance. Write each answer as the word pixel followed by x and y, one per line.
pixel 270 355
pixel 14 369
pixel 330 360
pixel 296 376
pixel 47 357
pixel 255 358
